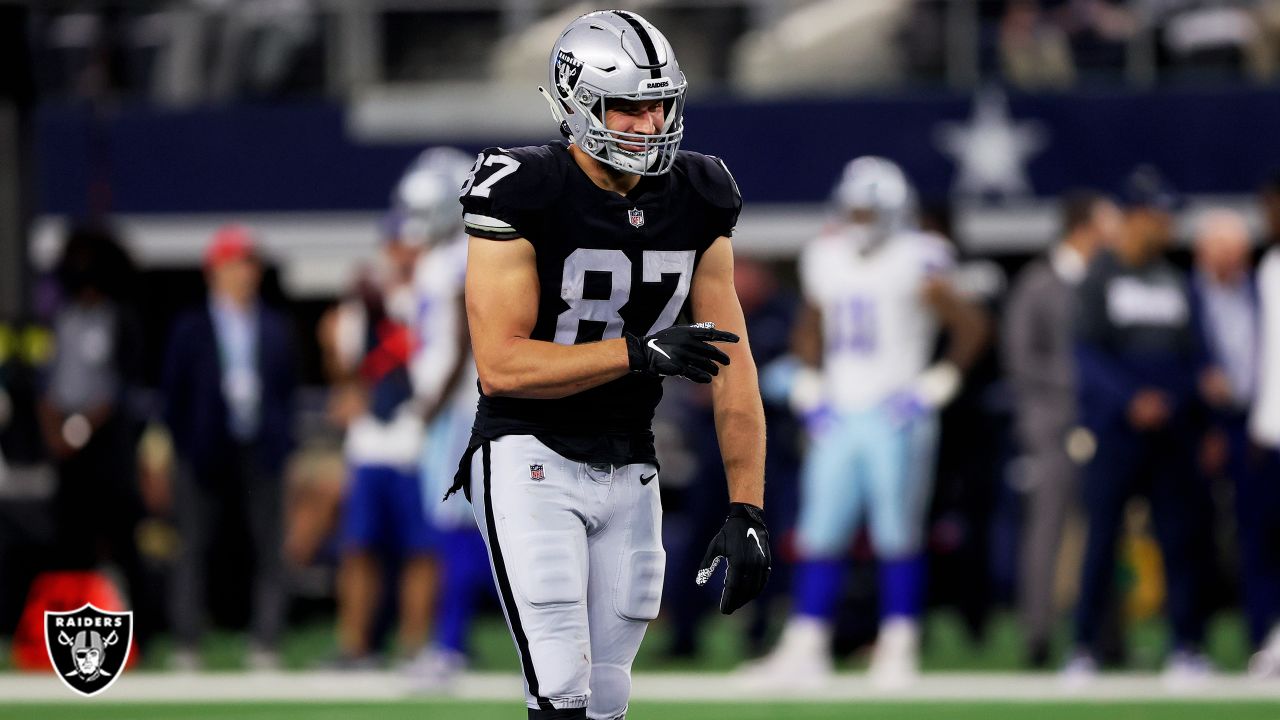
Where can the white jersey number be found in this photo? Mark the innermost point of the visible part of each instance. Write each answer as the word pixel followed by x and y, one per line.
pixel 509 164
pixel 656 264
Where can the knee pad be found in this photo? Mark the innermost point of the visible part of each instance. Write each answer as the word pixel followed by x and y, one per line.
pixel 639 593
pixel 610 692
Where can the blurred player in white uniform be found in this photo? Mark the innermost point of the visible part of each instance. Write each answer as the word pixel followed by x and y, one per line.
pixel 382 522
pixel 877 294
pixel 444 381
pixel 405 349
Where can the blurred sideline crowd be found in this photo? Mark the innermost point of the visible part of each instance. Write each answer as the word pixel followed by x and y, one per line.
pixel 185 52
pixel 1107 372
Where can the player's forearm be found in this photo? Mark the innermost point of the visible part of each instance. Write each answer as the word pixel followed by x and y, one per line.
pixel 740 429
pixel 543 370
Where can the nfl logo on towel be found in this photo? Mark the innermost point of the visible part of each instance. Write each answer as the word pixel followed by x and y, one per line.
pixel 636 216
pixel 535 472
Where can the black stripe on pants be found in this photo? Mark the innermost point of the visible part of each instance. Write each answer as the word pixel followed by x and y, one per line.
pixel 504 587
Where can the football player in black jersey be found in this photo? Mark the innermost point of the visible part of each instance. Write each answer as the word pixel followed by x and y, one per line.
pixel 587 262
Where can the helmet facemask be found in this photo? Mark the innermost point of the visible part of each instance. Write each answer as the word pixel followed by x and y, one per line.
pixel 656 153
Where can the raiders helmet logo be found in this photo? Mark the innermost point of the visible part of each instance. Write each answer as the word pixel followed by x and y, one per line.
pixel 88 647
pixel 568 68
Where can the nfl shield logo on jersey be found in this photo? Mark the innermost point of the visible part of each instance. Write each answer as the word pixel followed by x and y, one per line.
pixel 535 472
pixel 636 216
pixel 88 647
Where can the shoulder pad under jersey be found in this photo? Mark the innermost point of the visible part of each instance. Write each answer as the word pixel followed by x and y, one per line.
pixel 506 187
pixel 712 180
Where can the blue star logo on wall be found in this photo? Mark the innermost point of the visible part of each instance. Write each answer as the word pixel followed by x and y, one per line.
pixel 991 150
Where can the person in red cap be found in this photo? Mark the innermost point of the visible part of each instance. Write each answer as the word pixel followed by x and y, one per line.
pixel 230 243
pixel 228 385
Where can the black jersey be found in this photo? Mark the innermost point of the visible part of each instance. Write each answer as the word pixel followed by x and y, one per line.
pixel 607 264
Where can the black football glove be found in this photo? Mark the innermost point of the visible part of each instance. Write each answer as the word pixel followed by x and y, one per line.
pixel 744 542
pixel 684 350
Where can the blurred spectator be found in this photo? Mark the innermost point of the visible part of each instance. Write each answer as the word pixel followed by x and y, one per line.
pixel 1263 591
pixel 228 385
pixel 1223 289
pixel 1138 356
pixel 1226 306
pixel 86 420
pixel 1098 30
pixel 1033 52
pixel 1037 350
pixel 446 392
pixel 384 525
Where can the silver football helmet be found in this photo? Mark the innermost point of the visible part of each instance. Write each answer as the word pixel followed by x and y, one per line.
pixel 424 204
pixel 612 55
pixel 875 198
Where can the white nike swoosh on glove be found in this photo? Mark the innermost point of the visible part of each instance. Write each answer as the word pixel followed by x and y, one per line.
pixel 654 344
pixel 751 533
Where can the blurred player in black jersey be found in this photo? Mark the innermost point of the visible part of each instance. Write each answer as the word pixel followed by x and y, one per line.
pixel 586 259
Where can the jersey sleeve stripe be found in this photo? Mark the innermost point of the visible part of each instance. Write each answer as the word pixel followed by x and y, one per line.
pixel 485 226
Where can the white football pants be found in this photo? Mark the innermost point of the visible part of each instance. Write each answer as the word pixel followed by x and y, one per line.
pixel 576 551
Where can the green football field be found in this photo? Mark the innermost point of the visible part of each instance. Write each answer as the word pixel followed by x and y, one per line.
pixel 1164 710
pixel 947 647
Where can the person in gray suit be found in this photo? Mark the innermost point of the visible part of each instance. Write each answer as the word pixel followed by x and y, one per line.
pixel 1036 345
